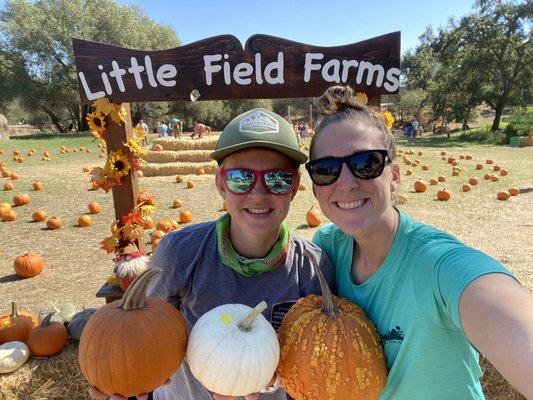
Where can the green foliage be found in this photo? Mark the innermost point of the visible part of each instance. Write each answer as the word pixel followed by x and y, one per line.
pixel 520 122
pixel 38 59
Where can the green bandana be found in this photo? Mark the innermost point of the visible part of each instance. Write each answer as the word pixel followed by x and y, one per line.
pixel 254 266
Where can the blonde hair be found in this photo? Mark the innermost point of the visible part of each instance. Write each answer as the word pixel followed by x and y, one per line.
pixel 339 103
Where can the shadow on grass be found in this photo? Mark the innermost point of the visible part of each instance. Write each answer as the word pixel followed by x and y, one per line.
pixel 9 278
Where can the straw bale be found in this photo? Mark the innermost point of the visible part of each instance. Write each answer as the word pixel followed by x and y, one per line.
pixel 175 144
pixel 159 157
pixel 54 378
pixel 178 168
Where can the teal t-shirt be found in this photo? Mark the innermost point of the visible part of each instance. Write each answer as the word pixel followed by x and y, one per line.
pixel 413 299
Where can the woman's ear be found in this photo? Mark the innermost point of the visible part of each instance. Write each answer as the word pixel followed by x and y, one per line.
pixel 395 177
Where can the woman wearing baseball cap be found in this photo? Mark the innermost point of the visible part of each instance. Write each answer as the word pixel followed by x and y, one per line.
pixel 247 255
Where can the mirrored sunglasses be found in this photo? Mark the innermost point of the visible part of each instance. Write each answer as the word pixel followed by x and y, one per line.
pixel 243 180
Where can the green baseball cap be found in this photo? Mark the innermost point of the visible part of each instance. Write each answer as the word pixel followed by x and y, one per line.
pixel 258 128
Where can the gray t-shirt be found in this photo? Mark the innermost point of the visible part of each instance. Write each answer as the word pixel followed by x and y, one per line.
pixel 196 281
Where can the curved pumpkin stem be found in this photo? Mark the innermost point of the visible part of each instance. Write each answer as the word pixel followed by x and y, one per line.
pixel 135 295
pixel 246 324
pixel 46 320
pixel 327 297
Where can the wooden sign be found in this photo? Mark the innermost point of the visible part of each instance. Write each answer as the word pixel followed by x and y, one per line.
pixel 219 68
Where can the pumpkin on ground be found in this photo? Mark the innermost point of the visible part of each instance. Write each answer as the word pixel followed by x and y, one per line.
pixel 190 184
pixel 503 195
pixel 84 221
pixel 9 215
pixel 48 338
pixel 177 203
pixel 54 223
pixel 121 352
pixel 8 186
pixel 420 185
pixel 12 356
pixel 238 340
pixel 21 199
pixel 467 187
pixel 473 181
pixel 77 323
pixel 28 265
pixel 17 325
pixel 37 185
pixel 330 349
pixel 312 217
pixel 185 217
pixel 164 225
pixel 38 216
pixel 444 194
pixel 157 147
pixel 148 222
pixel 179 179
pixel 433 181
pixel 94 207
pixel 514 191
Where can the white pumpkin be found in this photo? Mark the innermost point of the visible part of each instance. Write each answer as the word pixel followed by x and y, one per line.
pixel 233 350
pixel 12 356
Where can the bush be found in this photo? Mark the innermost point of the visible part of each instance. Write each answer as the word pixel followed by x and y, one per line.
pixel 520 122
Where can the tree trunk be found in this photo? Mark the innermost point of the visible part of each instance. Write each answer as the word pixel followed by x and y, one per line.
pixel 82 123
pixel 54 118
pixel 497 118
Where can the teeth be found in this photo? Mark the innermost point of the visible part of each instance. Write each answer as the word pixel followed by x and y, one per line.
pixel 259 210
pixel 351 205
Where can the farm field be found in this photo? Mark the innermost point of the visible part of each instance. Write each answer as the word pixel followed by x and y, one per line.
pixel 76 267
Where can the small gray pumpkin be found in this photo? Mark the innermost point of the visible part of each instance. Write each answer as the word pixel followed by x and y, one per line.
pixel 78 321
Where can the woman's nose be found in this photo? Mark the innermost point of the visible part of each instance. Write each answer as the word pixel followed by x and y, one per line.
pixel 346 180
pixel 258 189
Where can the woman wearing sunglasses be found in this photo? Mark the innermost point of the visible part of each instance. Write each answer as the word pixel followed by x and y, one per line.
pixel 435 301
pixel 248 255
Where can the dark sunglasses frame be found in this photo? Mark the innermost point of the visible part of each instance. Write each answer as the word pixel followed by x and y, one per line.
pixel 350 161
pixel 260 175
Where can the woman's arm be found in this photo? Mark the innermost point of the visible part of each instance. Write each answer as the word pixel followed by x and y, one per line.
pixel 497 317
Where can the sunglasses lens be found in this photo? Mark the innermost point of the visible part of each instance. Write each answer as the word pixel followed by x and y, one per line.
pixel 239 180
pixel 279 182
pixel 367 164
pixel 324 171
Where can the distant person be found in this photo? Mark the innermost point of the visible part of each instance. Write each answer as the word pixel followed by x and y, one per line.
pixel 409 132
pixel 199 131
pixel 176 123
pixel 416 127
pixel 162 129
pixel 141 124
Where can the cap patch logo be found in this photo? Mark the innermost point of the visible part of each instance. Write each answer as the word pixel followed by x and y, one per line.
pixel 259 122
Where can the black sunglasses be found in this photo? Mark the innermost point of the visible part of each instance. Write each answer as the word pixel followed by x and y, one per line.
pixel 368 164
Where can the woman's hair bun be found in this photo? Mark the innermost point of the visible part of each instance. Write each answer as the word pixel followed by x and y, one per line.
pixel 338 98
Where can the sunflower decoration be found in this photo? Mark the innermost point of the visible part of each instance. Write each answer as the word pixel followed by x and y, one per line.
pixel 389 119
pixel 146 203
pixel 134 144
pixel 96 123
pixel 116 167
pixel 117 112
pixel 362 97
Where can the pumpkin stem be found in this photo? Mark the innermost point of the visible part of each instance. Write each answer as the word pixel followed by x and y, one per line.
pixel 246 324
pixel 327 298
pixel 14 312
pixel 135 295
pixel 46 320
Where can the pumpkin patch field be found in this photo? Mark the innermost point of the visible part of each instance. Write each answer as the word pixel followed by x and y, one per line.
pixel 482 194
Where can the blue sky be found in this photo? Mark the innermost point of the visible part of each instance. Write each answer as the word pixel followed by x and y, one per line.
pixel 317 22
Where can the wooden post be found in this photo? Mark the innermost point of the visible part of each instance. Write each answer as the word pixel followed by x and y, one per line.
pixel 125 195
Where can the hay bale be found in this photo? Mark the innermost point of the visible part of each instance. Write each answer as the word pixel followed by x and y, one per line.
pixel 54 378
pixel 175 144
pixel 178 168
pixel 159 157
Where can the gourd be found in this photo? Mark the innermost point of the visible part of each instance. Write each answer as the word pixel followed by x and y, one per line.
pixel 48 338
pixel 133 345
pixel 12 356
pixel 237 341
pixel 28 265
pixel 312 217
pixel 17 325
pixel 77 323
pixel 330 349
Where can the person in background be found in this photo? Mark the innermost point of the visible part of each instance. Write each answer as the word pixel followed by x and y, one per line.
pixel 435 301
pixel 416 127
pixel 199 131
pixel 247 255
pixel 162 129
pixel 141 124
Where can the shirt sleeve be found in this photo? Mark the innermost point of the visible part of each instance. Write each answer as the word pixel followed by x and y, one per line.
pixel 458 266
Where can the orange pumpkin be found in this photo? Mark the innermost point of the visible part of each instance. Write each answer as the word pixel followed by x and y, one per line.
pixel 8 186
pixel 302 186
pixel 312 217
pixel 185 217
pixel 14 176
pixel 133 365
pixel 177 203
pixel 433 181
pixel 487 176
pixel 468 156
pixel 409 172
pixel 9 215
pixel 420 185
pixel 494 178
pixel 155 243
pixel 503 195
pixel 489 161
pixel 455 172
pixel 28 265
pixel 157 235
pixel 496 168
pixel 17 325
pixel 504 172
pixel 441 178
pixel 38 216
pixel 164 226
pixel 444 195
pixel 85 221
pixel 175 224
pixel 190 184
pixel 514 191
pixel 443 153
pixel 473 181
pixel 425 167
pixel 479 166
pixel 148 222
pixel 54 223
pixel 21 199
pixel 345 338
pixel 49 338
pixel 94 207
pixel 200 171
pixel 157 147
pixel 37 185
pixel 466 187
pixel 179 179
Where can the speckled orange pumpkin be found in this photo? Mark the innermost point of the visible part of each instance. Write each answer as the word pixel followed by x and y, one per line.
pixel 185 217
pixel 330 350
